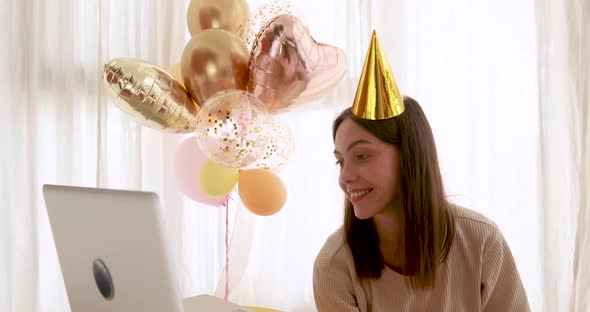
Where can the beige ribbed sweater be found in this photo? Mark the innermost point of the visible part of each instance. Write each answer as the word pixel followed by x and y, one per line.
pixel 479 275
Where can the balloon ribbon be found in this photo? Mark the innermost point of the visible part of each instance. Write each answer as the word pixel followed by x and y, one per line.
pixel 226 204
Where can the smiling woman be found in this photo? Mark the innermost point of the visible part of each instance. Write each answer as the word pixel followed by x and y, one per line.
pixel 365 167
pixel 492 93
pixel 403 244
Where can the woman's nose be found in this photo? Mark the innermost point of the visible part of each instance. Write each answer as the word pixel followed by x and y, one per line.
pixel 347 174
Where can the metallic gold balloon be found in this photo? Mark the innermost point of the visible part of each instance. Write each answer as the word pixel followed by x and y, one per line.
pixel 288 67
pixel 230 15
pixel 175 72
pixel 150 95
pixel 214 60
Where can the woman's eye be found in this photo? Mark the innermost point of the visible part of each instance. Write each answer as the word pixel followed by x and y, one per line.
pixel 339 163
pixel 362 156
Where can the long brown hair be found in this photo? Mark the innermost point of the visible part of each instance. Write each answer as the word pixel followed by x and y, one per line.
pixel 426 224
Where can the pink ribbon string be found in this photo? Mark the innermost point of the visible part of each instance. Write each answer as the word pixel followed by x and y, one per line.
pixel 226 204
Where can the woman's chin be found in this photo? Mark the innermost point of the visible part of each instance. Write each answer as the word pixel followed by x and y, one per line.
pixel 362 214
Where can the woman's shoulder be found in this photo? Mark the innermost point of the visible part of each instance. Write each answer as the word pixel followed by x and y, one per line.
pixel 465 216
pixel 334 251
pixel 474 227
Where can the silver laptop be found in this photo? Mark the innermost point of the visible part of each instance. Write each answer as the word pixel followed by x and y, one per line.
pixel 113 252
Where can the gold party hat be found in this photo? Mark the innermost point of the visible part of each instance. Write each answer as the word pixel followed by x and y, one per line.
pixel 377 96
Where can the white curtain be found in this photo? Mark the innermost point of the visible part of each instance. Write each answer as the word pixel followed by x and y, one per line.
pixel 59 127
pixel 496 78
pixel 564 85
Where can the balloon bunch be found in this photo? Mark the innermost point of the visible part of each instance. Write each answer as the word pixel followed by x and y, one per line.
pixel 227 89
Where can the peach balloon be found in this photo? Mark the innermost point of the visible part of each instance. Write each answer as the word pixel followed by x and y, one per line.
pixel 261 191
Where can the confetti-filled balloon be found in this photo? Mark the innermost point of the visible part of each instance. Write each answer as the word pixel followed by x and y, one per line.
pixel 230 128
pixel 279 148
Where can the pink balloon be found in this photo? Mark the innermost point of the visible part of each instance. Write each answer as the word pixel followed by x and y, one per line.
pixel 188 162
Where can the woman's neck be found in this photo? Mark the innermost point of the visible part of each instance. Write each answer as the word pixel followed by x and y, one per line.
pixel 390 238
pixel 387 228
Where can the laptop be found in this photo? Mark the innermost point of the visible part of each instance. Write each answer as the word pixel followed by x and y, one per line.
pixel 114 254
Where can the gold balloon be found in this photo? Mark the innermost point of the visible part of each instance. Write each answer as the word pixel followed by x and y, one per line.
pixel 214 60
pixel 230 15
pixel 176 74
pixel 150 95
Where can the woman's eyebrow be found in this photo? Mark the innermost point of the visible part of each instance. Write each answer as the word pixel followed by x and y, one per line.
pixel 353 144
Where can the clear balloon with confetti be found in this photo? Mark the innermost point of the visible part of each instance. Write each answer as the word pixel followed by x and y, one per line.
pixel 230 128
pixel 279 148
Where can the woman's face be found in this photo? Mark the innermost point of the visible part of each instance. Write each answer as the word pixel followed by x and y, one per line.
pixel 369 169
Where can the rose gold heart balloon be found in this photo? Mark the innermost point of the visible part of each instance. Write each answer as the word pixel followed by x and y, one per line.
pixel 288 67
pixel 264 14
pixel 150 95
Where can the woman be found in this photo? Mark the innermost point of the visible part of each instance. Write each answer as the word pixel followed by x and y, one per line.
pixel 403 246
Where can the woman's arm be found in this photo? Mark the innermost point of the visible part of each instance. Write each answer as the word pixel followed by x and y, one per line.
pixel 501 288
pixel 332 286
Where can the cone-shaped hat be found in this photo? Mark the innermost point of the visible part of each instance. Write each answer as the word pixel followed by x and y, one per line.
pixel 377 96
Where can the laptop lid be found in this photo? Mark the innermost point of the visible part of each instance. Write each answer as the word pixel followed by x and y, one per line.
pixel 112 249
